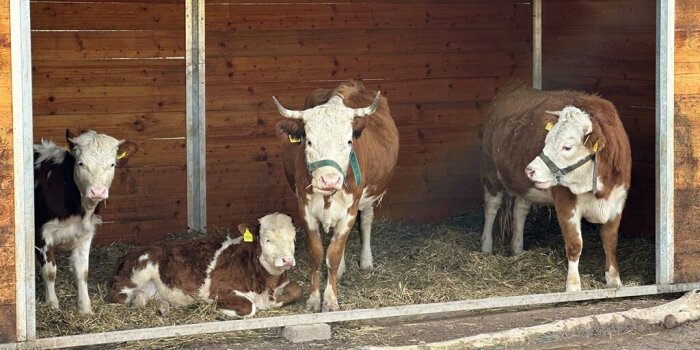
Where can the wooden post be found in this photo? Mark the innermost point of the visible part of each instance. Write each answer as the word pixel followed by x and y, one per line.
pixel 195 117
pixel 537 44
pixel 664 141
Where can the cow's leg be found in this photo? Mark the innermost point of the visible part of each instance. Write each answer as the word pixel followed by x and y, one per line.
pixel 47 260
pixel 570 224
pixel 287 293
pixel 334 257
pixel 366 219
pixel 236 305
pixel 80 258
pixel 520 210
pixel 492 202
pixel 608 235
pixel 315 246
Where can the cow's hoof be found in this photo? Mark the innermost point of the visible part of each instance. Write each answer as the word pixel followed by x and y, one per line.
pixel 330 306
pixel 573 287
pixel 85 310
pixel 163 307
pixel 140 299
pixel 366 265
pixel 53 304
pixel 313 304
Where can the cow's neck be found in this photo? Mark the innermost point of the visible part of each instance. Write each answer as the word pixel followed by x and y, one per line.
pixel 270 269
pixel 89 207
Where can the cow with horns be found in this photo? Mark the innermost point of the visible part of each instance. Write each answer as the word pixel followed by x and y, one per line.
pixel 339 156
pixel 563 148
pixel 70 183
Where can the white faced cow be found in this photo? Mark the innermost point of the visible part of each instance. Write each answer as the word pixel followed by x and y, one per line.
pixel 69 186
pixel 579 162
pixel 339 155
pixel 240 274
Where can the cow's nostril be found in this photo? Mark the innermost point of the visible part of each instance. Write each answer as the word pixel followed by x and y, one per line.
pixel 529 172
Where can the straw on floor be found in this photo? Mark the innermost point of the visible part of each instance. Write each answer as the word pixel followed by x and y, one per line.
pixel 413 264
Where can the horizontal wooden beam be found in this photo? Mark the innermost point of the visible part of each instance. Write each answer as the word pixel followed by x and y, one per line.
pixel 352 315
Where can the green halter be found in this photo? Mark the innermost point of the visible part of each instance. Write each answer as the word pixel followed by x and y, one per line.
pixel 327 162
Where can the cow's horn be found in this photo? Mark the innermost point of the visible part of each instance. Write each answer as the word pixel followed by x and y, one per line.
pixel 363 112
pixel 557 113
pixel 287 113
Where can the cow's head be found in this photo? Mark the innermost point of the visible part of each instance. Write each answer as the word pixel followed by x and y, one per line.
pixel 568 155
pixel 328 132
pixel 95 158
pixel 276 238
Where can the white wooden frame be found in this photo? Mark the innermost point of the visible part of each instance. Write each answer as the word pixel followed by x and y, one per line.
pixel 197 196
pixel 20 38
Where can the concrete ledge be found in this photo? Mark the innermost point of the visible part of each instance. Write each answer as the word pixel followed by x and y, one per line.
pixel 307 332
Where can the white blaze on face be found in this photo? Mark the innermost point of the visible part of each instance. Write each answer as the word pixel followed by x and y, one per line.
pixel 95 159
pixel 277 242
pixel 328 129
pixel 564 145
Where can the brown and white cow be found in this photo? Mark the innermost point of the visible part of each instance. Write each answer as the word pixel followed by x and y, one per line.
pixel 69 185
pixel 240 274
pixel 339 155
pixel 563 148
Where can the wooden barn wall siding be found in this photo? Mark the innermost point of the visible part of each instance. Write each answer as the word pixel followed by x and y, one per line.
pixel 7 210
pixel 687 141
pixel 438 62
pixel 608 47
pixel 118 67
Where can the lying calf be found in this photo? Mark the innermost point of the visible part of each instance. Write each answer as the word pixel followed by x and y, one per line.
pixel 240 274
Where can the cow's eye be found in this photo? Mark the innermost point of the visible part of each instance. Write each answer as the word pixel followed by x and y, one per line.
pixel 267 241
pixel 112 165
pixel 80 164
pixel 349 142
pixel 308 143
pixel 566 148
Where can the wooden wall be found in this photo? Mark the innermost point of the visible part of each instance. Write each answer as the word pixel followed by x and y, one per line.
pixel 608 47
pixel 438 62
pixel 7 210
pixel 118 67
pixel 687 141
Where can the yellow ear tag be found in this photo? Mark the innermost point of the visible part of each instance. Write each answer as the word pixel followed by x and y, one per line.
pixel 293 139
pixel 247 236
pixel 549 126
pixel 121 155
pixel 595 147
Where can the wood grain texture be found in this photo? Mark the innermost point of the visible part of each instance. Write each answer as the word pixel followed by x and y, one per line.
pixel 7 210
pixel 608 48
pixel 438 62
pixel 687 142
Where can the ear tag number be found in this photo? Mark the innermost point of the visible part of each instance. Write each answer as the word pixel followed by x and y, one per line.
pixel 247 236
pixel 293 139
pixel 549 126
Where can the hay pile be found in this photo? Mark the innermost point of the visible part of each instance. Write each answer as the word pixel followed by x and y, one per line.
pixel 413 264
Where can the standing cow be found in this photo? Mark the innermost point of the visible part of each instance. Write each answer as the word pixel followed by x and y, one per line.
pixel 241 274
pixel 562 148
pixel 339 156
pixel 69 186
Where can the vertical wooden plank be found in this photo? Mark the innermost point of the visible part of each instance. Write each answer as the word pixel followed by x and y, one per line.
pixel 195 117
pixel 23 167
pixel 8 330
pixel 537 44
pixel 664 159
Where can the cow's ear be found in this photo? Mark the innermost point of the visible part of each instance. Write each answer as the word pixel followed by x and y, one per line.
pixel 594 141
pixel 126 149
pixel 243 227
pixel 358 124
pixel 290 130
pixel 70 138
